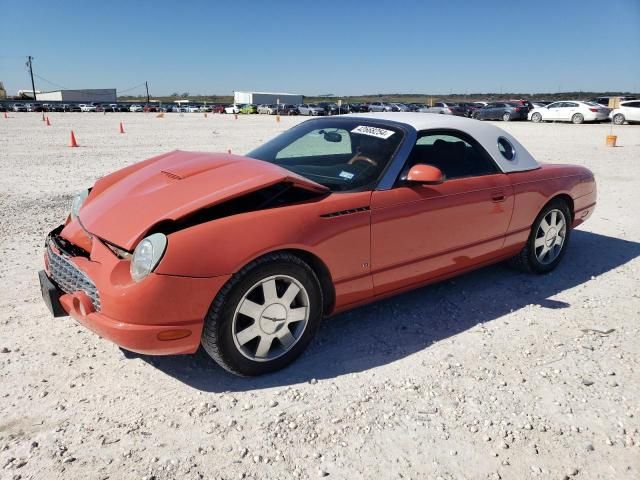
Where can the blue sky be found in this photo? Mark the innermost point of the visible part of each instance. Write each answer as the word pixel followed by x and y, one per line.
pixel 342 47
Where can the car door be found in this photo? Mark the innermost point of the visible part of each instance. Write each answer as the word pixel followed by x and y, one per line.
pixel 483 112
pixel 553 111
pixel 422 232
pixel 568 110
pixel 631 111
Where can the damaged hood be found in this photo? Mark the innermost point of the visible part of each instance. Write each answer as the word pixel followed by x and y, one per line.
pixel 125 205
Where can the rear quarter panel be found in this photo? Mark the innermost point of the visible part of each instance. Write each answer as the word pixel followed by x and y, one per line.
pixel 533 189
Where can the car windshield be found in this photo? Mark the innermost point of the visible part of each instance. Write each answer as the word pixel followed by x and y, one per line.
pixel 341 154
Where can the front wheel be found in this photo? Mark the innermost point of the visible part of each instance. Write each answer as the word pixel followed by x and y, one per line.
pixel 536 118
pixel 265 316
pixel 577 118
pixel 506 117
pixel 547 241
pixel 618 119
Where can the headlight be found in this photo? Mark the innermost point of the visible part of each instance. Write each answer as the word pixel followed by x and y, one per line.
pixel 147 255
pixel 77 202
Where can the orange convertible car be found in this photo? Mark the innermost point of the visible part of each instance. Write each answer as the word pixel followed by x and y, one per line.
pixel 246 254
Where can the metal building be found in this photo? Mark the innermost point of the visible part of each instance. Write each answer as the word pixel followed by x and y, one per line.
pixel 258 98
pixel 87 95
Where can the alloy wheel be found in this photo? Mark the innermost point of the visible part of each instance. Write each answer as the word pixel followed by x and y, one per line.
pixel 270 318
pixel 550 236
pixel 618 119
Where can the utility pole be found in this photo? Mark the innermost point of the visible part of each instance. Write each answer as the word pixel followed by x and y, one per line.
pixel 147 86
pixel 33 85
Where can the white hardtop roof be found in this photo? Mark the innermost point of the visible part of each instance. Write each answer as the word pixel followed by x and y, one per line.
pixel 485 133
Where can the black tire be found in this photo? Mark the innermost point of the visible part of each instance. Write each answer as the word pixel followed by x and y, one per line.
pixel 506 117
pixel 526 260
pixel 577 118
pixel 536 117
pixel 217 336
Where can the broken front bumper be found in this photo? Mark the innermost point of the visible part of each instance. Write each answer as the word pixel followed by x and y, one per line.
pixel 161 315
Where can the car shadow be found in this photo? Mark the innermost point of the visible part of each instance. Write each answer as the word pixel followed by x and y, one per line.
pixel 391 329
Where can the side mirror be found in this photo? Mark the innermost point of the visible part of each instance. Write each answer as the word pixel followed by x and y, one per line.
pixel 334 137
pixel 425 174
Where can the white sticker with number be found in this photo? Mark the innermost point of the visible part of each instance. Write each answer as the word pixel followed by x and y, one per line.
pixel 373 131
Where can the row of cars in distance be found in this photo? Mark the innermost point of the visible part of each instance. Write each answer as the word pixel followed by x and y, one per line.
pixel 574 111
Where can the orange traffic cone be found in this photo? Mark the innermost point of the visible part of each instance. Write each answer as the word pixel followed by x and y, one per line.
pixel 121 128
pixel 72 142
pixel 277 118
pixel 5 115
pixel 48 123
pixel 205 114
pixel 235 115
pixel 229 151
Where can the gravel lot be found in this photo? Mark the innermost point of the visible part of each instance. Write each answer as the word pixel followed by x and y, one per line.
pixel 495 374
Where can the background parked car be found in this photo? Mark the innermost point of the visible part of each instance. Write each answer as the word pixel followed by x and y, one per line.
pixel 232 108
pixel 288 109
pixel 505 111
pixel 604 101
pixel 379 107
pixel 444 108
pixel 268 109
pixel 468 108
pixel 359 107
pixel 85 107
pixel 310 109
pixel 19 107
pixel 414 107
pixel 135 108
pixel 399 107
pixel 569 111
pixel 249 109
pixel 629 111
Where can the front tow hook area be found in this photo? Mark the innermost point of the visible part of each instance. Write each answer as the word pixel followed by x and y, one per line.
pixel 51 295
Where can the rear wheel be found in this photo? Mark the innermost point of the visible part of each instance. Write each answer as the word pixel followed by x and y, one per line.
pixel 577 118
pixel 506 117
pixel 265 316
pixel 536 117
pixel 618 119
pixel 547 241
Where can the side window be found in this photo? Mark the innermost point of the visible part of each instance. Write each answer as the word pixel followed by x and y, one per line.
pixel 314 144
pixel 570 104
pixel 633 104
pixel 456 155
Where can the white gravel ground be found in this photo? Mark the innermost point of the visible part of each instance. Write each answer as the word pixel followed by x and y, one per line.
pixel 495 374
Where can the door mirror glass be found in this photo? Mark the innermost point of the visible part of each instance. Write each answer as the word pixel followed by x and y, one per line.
pixel 425 174
pixel 334 137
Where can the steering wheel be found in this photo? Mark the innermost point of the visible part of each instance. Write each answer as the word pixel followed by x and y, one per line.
pixel 362 158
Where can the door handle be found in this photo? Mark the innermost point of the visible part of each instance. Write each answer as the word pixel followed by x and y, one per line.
pixel 497 196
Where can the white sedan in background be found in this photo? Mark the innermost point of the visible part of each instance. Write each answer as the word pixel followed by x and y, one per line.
pixel 628 111
pixel 232 109
pixel 87 108
pixel 135 108
pixel 569 111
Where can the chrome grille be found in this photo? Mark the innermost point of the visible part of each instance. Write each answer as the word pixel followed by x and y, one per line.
pixel 70 278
